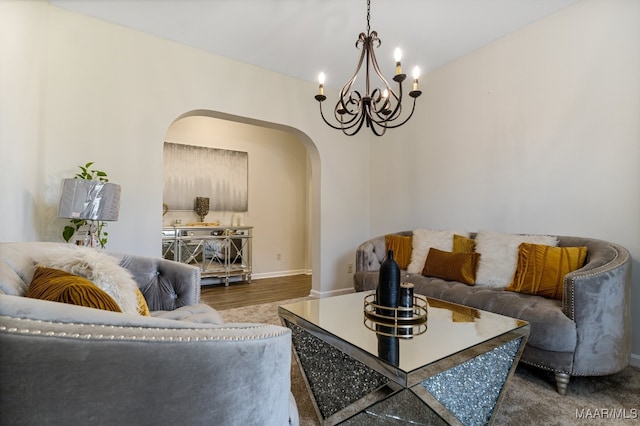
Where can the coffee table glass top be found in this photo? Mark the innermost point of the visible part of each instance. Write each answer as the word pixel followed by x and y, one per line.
pixel 450 328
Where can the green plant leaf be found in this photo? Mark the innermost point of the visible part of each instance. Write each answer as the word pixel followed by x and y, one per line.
pixel 68 232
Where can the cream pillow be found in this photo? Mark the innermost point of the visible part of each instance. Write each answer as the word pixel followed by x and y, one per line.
pixel 499 256
pixel 425 239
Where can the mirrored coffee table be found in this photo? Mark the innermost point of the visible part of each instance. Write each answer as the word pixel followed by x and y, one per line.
pixel 450 370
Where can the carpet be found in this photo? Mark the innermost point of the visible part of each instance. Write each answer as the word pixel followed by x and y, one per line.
pixel 530 398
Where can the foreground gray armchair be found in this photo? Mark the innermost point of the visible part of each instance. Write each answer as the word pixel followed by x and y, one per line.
pixel 62 364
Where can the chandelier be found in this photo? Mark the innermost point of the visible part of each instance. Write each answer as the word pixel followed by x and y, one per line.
pixel 380 109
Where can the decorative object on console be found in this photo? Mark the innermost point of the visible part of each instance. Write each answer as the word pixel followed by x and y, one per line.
pixel 379 109
pixel 237 220
pixel 89 199
pixel 388 291
pixel 201 207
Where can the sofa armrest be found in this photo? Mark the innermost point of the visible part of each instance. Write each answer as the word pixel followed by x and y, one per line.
pixel 141 371
pixel 165 284
pixel 370 254
pixel 598 298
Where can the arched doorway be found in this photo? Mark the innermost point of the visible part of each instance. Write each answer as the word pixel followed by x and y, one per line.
pixel 283 170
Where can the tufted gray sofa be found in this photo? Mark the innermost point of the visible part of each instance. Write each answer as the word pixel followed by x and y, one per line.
pixel 588 333
pixel 62 364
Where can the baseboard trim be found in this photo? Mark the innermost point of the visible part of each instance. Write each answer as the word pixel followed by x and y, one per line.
pixel 323 294
pixel 635 360
pixel 280 274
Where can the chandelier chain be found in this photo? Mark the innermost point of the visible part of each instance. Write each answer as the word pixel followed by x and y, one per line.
pixel 368 16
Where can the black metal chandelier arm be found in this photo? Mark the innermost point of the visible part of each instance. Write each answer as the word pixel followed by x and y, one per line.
pixel 376 68
pixel 347 87
pixel 397 109
pixel 351 103
pixel 375 127
pixel 379 103
pixel 326 121
pixel 342 125
pixel 413 108
pixel 390 92
pixel 342 111
pixel 357 129
pixel 346 129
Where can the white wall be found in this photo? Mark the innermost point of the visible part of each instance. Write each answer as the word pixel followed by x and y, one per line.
pixel 109 96
pixel 538 132
pixel 22 59
pixel 278 186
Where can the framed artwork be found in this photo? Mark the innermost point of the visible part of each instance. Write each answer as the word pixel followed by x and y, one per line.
pixel 190 171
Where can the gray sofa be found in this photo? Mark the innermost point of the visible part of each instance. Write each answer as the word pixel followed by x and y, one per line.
pixel 62 364
pixel 588 333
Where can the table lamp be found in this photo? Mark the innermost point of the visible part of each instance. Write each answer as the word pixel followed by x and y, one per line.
pixel 90 200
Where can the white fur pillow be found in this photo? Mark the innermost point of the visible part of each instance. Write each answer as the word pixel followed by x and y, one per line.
pixel 101 269
pixel 499 256
pixel 423 240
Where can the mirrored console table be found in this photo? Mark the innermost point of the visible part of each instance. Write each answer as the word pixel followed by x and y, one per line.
pixel 219 251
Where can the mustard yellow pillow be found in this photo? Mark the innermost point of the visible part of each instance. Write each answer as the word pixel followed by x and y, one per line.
pixel 60 286
pixel 450 266
pixel 541 269
pixel 143 308
pixel 463 244
pixel 401 246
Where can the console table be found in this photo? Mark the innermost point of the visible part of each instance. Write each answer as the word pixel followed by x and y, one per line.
pixel 219 251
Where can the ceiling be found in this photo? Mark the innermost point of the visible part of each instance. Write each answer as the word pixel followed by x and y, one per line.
pixel 300 38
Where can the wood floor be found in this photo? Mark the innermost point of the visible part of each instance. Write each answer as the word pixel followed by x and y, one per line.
pixel 265 290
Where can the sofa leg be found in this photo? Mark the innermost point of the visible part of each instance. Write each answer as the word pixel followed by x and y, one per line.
pixel 562 380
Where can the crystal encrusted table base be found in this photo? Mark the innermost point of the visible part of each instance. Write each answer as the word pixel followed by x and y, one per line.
pixel 348 392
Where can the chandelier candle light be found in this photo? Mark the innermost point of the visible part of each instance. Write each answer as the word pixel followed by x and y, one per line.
pixel 380 109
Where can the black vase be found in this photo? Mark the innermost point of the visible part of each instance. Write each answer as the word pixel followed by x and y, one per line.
pixel 388 291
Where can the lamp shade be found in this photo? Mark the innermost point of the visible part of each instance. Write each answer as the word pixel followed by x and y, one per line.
pixel 89 200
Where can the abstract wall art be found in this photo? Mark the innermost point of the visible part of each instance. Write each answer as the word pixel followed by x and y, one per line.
pixel 197 171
